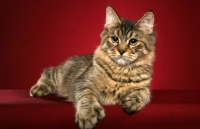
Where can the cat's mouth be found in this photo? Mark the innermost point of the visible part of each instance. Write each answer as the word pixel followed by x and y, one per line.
pixel 121 60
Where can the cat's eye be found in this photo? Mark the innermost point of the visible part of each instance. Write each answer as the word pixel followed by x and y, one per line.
pixel 115 39
pixel 133 41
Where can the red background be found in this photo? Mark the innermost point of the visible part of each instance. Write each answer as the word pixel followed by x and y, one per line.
pixel 35 34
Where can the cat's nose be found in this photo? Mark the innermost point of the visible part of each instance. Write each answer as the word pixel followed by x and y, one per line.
pixel 122 48
pixel 121 51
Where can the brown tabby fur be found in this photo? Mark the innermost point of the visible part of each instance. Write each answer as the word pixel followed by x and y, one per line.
pixel 119 71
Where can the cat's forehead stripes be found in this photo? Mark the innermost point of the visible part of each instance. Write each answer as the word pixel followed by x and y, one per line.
pixel 128 29
pixel 117 32
pixel 126 26
pixel 131 34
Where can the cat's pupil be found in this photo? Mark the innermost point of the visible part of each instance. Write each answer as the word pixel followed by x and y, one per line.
pixel 133 41
pixel 115 39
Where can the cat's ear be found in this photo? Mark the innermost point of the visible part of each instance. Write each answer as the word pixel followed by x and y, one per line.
pixel 112 18
pixel 146 23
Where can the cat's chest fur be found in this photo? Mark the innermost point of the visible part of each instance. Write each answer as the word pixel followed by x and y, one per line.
pixel 113 81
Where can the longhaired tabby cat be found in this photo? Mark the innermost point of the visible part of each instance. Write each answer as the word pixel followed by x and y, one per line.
pixel 119 71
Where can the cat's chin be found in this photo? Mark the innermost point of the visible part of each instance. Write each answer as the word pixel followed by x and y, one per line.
pixel 122 61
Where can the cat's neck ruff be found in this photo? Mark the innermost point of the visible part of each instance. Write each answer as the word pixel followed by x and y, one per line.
pixel 123 75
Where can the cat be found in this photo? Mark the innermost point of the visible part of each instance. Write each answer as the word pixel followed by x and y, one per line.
pixel 119 71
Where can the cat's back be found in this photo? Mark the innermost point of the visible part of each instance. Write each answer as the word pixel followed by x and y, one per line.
pixel 82 59
pixel 77 65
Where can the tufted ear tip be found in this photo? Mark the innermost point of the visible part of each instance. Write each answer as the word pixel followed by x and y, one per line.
pixel 112 18
pixel 146 23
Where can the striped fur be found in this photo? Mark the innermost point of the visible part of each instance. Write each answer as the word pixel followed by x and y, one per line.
pixel 119 71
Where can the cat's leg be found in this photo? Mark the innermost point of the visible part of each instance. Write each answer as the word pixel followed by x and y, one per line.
pixel 47 84
pixel 88 108
pixel 135 99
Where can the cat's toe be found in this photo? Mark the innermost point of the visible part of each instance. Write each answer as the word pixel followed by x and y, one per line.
pixel 100 113
pixel 132 106
pixel 85 122
pixel 130 110
pixel 87 118
pixel 39 91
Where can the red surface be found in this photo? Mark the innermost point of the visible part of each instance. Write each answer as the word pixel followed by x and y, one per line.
pixel 40 33
pixel 167 110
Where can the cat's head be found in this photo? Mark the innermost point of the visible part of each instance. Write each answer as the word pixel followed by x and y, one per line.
pixel 127 41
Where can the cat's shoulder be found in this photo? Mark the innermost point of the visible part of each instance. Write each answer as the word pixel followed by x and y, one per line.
pixel 80 59
pixel 87 57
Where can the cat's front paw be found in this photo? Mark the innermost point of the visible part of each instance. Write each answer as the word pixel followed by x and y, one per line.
pixel 39 91
pixel 135 101
pixel 86 118
pixel 132 106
